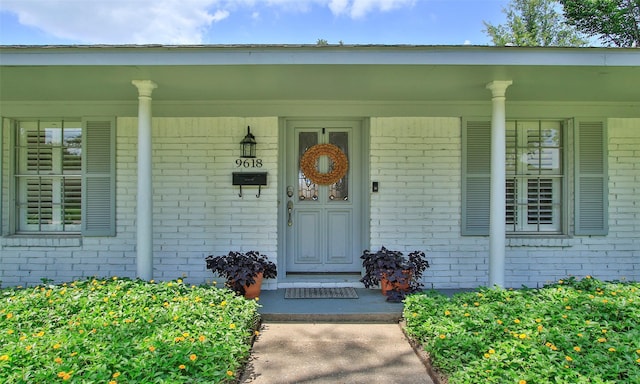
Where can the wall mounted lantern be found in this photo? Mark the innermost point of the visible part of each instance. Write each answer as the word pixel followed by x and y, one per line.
pixel 248 145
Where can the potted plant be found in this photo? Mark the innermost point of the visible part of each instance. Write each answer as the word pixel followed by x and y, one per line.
pixel 244 271
pixel 397 274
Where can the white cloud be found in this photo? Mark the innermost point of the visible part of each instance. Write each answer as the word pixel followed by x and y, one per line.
pixel 359 8
pixel 339 7
pixel 162 21
pixel 220 15
pixel 119 21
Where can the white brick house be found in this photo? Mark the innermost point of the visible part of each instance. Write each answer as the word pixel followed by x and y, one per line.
pixel 103 177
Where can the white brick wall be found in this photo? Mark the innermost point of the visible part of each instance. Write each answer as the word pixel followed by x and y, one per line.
pixel 197 211
pixel 417 162
pixel 616 256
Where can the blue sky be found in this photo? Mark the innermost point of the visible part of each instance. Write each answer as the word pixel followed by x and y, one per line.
pixel 430 22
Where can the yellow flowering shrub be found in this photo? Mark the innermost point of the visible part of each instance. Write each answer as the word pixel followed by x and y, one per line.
pixel 573 331
pixel 118 330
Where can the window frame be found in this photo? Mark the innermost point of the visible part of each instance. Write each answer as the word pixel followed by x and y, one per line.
pixel 98 178
pixel 58 175
pixel 523 177
pixel 585 154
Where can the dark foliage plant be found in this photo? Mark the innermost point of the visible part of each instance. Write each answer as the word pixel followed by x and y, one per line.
pixel 396 268
pixel 240 269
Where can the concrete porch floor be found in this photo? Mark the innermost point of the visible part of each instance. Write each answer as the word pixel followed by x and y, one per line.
pixel 370 307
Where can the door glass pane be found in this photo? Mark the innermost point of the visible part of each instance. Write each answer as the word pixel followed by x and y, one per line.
pixel 307 190
pixel 339 190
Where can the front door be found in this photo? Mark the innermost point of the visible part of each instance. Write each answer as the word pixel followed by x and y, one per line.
pixel 324 219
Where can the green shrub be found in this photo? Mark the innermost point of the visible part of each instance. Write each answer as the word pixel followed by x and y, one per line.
pixel 574 331
pixel 123 331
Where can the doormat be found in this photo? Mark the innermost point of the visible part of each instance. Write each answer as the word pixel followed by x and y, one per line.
pixel 321 293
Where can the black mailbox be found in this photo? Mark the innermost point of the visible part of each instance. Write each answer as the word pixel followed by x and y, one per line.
pixel 251 179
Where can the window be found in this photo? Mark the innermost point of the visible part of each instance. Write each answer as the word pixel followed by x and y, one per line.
pixel 534 179
pixel 537 171
pixel 64 176
pixel 49 176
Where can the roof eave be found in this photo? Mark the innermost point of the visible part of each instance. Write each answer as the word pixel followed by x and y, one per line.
pixel 161 55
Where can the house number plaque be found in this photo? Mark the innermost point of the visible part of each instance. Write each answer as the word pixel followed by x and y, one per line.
pixel 249 163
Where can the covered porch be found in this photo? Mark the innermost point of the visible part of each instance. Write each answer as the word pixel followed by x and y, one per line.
pixel 179 112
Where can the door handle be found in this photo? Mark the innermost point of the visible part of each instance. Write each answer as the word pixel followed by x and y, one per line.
pixel 289 213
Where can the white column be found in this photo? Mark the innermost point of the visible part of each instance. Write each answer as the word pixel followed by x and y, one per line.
pixel 145 194
pixel 497 200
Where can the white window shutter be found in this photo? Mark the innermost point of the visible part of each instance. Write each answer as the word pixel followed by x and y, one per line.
pixel 98 180
pixel 591 209
pixel 476 177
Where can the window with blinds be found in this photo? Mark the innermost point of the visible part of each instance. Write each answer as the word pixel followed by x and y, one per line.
pixel 534 178
pixel 49 176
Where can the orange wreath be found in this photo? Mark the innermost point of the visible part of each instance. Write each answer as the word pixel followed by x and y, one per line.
pixel 311 156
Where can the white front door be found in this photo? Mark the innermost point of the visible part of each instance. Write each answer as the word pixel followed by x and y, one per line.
pixel 324 222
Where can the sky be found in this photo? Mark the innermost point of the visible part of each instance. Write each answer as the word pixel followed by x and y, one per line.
pixel 185 22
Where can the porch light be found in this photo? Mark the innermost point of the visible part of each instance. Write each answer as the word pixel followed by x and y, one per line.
pixel 248 145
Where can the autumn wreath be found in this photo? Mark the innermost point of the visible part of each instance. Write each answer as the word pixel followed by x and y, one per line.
pixel 311 156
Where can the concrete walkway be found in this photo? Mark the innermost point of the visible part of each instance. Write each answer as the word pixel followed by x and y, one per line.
pixel 344 353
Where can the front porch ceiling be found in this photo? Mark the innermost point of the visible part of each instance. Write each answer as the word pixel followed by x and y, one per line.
pixel 455 74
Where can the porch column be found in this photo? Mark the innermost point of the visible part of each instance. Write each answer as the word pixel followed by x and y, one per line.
pixel 145 195
pixel 497 214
